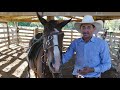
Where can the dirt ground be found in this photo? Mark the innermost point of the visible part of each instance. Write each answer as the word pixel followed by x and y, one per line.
pixel 13 64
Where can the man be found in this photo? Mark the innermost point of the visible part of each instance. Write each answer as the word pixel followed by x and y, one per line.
pixel 92 53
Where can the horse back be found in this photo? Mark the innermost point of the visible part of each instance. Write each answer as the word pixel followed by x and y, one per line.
pixel 35 46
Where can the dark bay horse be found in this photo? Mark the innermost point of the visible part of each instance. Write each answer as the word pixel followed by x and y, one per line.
pixel 45 49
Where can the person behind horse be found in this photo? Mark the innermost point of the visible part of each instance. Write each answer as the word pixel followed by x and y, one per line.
pixel 96 32
pixel 92 53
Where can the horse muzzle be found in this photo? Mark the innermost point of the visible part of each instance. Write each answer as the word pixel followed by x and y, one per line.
pixel 54 68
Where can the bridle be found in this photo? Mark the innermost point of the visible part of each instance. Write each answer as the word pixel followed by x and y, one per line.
pixel 47 46
pixel 50 37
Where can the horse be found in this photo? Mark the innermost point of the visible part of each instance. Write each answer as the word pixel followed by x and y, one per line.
pixel 45 49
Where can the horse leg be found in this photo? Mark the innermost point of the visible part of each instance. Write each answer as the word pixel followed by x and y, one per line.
pixel 39 66
pixel 31 66
pixel 35 68
pixel 35 73
pixel 28 71
pixel 28 68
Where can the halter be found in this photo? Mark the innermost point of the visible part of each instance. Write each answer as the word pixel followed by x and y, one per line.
pixel 49 39
pixel 45 49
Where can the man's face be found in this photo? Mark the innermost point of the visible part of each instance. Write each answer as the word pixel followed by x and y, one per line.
pixel 87 30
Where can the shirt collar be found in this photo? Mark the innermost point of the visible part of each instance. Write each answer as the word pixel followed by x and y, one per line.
pixel 91 40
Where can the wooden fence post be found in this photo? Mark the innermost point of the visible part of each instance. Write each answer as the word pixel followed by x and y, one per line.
pixel 8 34
pixel 36 31
pixel 17 32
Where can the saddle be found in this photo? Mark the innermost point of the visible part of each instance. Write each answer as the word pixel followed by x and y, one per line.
pixel 36 45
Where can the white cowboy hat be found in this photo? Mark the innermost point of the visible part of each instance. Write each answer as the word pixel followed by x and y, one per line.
pixel 88 19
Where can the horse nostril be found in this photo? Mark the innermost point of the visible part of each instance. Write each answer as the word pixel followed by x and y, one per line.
pixel 52 64
pixel 53 61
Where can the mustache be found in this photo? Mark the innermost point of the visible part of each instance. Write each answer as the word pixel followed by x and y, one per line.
pixel 85 33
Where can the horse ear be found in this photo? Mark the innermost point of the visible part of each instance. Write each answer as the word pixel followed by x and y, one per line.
pixel 42 20
pixel 62 24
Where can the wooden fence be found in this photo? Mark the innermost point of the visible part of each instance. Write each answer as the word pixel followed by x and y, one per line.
pixel 22 35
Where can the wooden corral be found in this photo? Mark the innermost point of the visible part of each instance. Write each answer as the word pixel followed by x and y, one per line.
pixel 15 44
pixel 14 41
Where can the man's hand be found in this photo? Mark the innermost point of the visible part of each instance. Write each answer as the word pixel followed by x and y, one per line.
pixel 85 70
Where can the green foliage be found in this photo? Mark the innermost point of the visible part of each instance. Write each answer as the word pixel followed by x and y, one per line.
pixel 69 26
pixel 36 24
pixel 24 23
pixel 113 25
pixel 59 17
pixel 10 23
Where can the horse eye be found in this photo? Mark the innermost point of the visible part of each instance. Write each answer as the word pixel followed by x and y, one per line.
pixel 50 37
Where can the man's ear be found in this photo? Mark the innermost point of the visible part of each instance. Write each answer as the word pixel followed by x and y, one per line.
pixel 94 29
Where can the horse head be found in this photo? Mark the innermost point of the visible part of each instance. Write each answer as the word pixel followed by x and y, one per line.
pixel 53 41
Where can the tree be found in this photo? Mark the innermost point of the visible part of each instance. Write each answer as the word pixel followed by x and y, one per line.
pixel 10 23
pixel 113 25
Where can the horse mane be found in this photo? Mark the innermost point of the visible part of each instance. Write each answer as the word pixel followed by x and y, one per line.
pixel 35 47
pixel 38 36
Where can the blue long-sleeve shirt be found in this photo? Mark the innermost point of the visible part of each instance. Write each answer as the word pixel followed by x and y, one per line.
pixel 94 54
